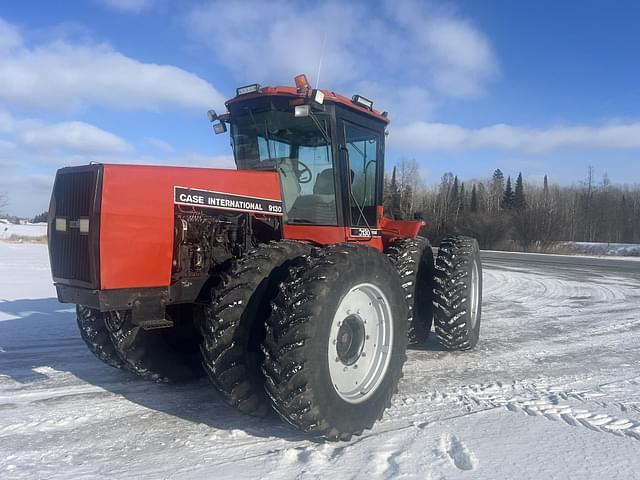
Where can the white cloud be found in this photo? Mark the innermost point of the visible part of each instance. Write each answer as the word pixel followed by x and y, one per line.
pixel 64 76
pixel 6 122
pixel 128 6
pixel 79 137
pixel 424 136
pixel 68 137
pixel 9 36
pixel 26 194
pixel 410 44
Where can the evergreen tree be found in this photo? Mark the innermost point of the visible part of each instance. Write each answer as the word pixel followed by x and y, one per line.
pixel 40 218
pixel 462 198
pixel 497 190
pixel 455 191
pixel 519 201
pixel 474 199
pixel 546 187
pixel 396 211
pixel 507 198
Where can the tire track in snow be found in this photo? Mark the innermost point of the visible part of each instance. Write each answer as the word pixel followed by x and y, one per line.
pixel 544 401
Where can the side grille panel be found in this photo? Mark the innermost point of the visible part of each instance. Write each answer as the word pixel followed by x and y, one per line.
pixel 74 255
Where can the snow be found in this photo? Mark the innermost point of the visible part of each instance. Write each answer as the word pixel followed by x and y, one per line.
pixel 29 230
pixel 552 391
pixel 601 249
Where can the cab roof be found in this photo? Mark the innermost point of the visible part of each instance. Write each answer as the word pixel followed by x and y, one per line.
pixel 296 93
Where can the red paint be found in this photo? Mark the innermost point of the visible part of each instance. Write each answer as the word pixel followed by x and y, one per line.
pixel 400 228
pixel 320 235
pixel 137 216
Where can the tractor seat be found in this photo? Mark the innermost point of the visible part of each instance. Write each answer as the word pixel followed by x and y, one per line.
pixel 319 208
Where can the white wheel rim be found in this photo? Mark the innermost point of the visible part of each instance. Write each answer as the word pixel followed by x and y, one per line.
pixel 360 343
pixel 474 297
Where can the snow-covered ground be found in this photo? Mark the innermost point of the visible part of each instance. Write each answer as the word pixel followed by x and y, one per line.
pixel 29 230
pixel 552 391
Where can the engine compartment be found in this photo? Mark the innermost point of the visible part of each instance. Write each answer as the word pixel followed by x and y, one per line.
pixel 205 239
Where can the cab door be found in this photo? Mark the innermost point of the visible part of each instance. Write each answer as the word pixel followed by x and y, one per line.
pixel 361 165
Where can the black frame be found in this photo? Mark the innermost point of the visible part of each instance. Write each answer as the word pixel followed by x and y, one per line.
pixel 346 116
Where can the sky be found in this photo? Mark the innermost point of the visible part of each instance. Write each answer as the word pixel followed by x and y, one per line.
pixel 538 87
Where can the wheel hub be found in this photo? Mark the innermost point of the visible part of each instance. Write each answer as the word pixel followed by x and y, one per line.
pixel 351 338
pixel 360 343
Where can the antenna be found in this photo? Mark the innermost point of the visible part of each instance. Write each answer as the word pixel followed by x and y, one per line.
pixel 324 41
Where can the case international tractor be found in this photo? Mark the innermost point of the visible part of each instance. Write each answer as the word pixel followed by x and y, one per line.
pixel 282 280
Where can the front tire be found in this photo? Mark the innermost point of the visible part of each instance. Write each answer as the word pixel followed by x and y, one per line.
pixel 164 355
pixel 458 293
pixel 95 334
pixel 336 341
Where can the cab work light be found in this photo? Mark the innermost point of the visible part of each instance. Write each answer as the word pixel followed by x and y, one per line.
pixel 302 110
pixel 317 96
pixel 363 102
pixel 253 88
pixel 219 128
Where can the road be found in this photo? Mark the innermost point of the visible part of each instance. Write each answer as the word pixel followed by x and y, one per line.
pixel 551 391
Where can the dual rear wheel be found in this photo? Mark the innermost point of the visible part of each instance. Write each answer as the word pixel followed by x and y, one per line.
pixel 319 335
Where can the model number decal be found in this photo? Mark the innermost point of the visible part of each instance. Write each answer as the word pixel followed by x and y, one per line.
pixel 226 201
pixel 364 232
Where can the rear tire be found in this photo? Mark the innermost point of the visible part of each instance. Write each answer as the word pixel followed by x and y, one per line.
pixel 164 355
pixel 413 259
pixel 95 334
pixel 347 294
pixel 234 324
pixel 458 293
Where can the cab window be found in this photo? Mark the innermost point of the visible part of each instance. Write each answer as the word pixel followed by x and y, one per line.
pixel 362 145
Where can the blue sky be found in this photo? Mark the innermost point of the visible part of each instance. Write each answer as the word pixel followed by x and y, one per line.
pixel 541 87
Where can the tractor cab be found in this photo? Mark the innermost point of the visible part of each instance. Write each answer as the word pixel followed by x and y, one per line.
pixel 327 149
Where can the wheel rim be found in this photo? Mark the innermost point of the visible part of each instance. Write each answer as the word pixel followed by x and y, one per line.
pixel 474 297
pixel 360 343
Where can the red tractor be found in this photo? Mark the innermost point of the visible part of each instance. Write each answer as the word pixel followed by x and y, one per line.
pixel 283 280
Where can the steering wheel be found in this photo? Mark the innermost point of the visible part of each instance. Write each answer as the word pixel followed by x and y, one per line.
pixel 304 175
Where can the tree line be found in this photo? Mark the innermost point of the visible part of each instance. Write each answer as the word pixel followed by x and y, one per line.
pixel 513 213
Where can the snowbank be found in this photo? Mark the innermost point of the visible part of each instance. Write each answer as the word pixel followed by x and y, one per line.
pixel 23 233
pixel 597 249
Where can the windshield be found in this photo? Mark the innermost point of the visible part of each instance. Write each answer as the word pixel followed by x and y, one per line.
pixel 299 148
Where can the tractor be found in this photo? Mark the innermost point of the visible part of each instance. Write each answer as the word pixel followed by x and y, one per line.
pixel 283 280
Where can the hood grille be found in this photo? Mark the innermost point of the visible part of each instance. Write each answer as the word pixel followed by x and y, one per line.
pixel 75 255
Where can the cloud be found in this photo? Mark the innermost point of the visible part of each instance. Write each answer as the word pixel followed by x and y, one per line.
pixel 26 194
pixel 424 136
pixel 128 6
pixel 33 136
pixel 76 136
pixel 408 43
pixel 70 76
pixel 9 36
